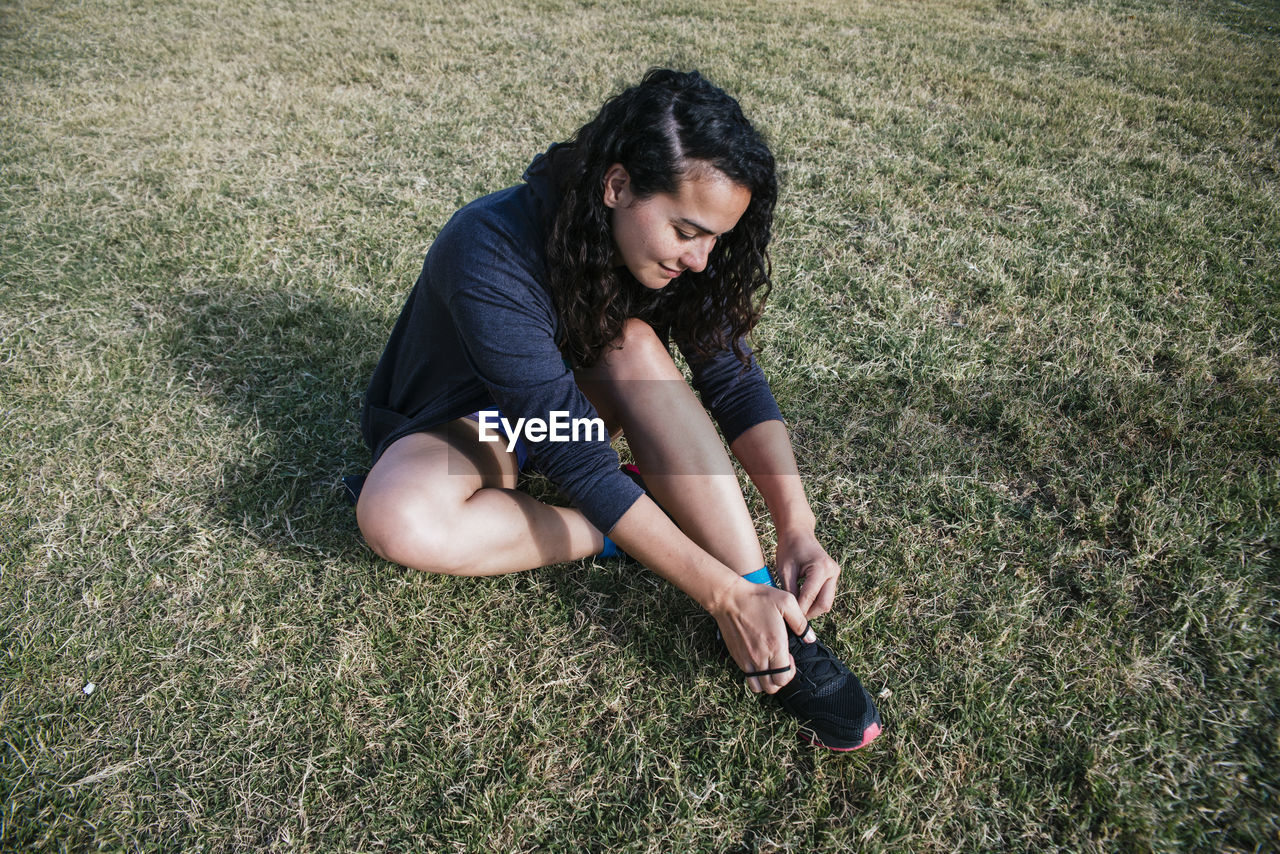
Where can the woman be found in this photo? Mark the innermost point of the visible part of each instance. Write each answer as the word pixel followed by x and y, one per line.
pixel 556 299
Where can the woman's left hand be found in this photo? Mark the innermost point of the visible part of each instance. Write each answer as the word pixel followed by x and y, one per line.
pixel 807 571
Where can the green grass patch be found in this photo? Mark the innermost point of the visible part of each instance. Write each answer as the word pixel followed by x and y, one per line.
pixel 1024 329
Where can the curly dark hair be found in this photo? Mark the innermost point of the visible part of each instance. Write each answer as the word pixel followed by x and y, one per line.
pixel 671 124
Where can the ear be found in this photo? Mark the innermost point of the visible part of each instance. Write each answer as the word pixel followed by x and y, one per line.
pixel 617 187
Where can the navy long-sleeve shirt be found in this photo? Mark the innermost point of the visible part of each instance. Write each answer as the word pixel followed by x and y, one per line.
pixel 479 331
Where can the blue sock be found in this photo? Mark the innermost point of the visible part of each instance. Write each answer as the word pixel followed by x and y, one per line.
pixel 610 549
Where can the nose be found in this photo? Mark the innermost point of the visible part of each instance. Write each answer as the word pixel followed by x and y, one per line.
pixel 695 258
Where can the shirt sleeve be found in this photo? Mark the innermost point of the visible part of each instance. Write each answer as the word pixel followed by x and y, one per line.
pixel 738 396
pixel 509 341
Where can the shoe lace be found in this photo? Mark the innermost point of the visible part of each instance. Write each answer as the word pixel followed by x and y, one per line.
pixel 817 662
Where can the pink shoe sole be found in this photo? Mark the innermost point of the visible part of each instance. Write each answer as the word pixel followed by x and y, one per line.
pixel 868 736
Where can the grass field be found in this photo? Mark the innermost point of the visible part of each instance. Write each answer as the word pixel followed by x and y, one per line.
pixel 1024 326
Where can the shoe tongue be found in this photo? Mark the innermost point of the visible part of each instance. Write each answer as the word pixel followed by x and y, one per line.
pixel 821 669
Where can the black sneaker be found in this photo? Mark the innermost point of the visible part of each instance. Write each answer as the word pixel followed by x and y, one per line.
pixel 833 708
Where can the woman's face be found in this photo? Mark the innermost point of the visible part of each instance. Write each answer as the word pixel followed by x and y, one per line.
pixel 660 237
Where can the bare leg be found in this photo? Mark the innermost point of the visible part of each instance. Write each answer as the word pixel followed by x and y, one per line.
pixel 682 457
pixel 444 501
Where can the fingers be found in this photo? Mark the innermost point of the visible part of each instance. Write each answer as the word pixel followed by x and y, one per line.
pixel 796 620
pixel 782 659
pixel 808 573
pixel 816 597
pixel 775 683
pixel 790 576
pixel 823 599
pixel 805 598
pixel 756 634
pixel 818 592
pixel 775 667
pixel 769 682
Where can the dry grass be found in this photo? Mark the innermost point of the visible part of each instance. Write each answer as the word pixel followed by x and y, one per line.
pixel 1024 329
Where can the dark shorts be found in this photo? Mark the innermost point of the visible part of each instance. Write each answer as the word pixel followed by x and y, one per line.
pixel 354 483
pixel 521 449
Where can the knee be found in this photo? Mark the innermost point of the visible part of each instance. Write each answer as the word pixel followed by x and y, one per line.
pixel 411 534
pixel 641 354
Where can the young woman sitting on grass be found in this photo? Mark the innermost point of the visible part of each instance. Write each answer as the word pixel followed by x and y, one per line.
pixel 556 299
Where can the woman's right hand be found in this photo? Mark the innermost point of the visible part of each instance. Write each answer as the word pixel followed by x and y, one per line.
pixel 753 620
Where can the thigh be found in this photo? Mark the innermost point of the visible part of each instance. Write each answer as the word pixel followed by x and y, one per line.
pixel 435 470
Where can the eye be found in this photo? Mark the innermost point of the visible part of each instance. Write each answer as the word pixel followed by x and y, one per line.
pixel 685 235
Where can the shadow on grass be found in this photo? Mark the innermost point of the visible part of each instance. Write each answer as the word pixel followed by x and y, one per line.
pixel 290 369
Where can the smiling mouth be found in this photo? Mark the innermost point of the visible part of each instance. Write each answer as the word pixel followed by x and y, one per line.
pixel 669 271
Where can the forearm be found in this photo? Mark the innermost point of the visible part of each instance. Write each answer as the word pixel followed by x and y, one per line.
pixel 753 618
pixel 802 564
pixel 765 453
pixel 649 536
